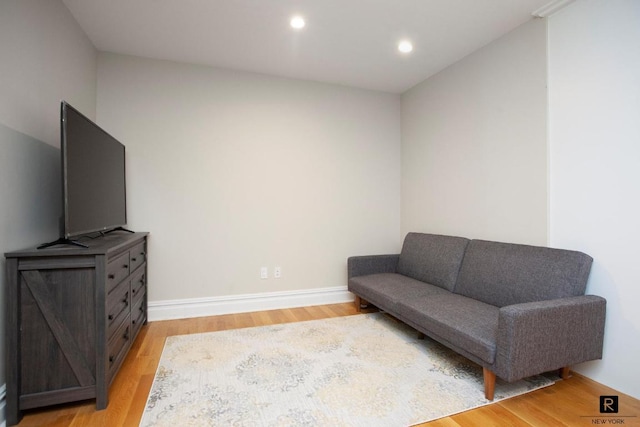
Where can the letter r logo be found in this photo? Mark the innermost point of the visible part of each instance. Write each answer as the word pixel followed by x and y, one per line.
pixel 608 404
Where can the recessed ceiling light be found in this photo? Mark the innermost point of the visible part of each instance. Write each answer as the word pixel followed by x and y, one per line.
pixel 297 22
pixel 405 46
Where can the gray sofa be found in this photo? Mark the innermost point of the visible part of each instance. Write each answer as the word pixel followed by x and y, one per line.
pixel 516 310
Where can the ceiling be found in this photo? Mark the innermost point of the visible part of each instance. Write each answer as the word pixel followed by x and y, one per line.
pixel 347 42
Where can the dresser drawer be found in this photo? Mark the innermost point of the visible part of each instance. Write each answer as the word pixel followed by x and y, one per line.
pixel 118 347
pixel 137 256
pixel 118 303
pixel 117 270
pixel 138 285
pixel 138 315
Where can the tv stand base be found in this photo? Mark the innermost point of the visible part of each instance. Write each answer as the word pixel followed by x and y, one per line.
pixel 62 241
pixel 117 229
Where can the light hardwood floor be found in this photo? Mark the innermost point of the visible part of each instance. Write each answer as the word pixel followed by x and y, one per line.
pixel 574 402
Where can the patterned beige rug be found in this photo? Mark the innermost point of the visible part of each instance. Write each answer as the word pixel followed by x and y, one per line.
pixel 364 370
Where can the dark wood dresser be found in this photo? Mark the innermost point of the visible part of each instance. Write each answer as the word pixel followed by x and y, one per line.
pixel 72 314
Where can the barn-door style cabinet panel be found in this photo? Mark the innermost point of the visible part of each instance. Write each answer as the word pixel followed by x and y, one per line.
pixel 72 315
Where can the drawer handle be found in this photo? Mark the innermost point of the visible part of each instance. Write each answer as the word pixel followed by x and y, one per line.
pixel 134 259
pixel 133 321
pixel 133 291
pixel 110 359
pixel 142 308
pixel 126 335
pixel 111 276
pixel 125 266
pixel 125 300
pixel 111 317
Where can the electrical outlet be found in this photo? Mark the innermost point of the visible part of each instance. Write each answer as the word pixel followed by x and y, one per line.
pixel 277 272
pixel 264 273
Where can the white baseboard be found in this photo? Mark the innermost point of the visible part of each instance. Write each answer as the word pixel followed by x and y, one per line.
pixel 199 307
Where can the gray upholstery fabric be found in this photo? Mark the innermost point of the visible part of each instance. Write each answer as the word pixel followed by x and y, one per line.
pixel 384 290
pixel 462 321
pixel 502 274
pixel 432 258
pixel 546 335
pixel 371 264
pixel 515 309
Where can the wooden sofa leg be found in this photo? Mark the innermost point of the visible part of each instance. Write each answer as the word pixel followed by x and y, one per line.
pixel 360 302
pixel 489 383
pixel 564 372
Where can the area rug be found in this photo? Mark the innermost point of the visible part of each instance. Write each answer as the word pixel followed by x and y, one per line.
pixel 363 370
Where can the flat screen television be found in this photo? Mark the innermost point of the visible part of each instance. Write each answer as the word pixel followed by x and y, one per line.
pixel 93 177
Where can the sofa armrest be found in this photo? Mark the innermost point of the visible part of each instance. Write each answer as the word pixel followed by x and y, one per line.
pixel 542 336
pixel 371 264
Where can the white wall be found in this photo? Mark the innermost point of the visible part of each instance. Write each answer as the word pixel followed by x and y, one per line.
pixel 231 171
pixel 474 160
pixel 44 57
pixel 594 115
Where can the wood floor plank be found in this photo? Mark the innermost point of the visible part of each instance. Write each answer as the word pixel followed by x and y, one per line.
pixel 530 408
pixel 487 416
pixel 301 314
pixel 139 400
pixel 570 402
pixel 242 320
pixel 442 422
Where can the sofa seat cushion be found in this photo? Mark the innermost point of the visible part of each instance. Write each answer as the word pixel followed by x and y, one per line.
pixel 464 322
pixel 386 289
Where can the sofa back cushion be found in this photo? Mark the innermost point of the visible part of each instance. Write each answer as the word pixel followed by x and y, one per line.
pixel 503 274
pixel 432 258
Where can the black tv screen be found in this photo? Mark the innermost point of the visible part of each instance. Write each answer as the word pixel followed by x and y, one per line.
pixel 93 168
